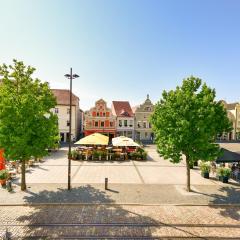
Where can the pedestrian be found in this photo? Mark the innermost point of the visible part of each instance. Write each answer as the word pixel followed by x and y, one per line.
pixel 213 168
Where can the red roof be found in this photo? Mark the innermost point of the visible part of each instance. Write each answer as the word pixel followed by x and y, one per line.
pixel 62 96
pixel 122 109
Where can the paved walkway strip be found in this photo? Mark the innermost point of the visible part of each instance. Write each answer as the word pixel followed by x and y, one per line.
pixel 139 174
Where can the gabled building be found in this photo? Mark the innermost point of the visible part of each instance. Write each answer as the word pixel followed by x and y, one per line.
pixel 233 112
pixel 124 118
pixel 143 128
pixel 100 119
pixel 62 110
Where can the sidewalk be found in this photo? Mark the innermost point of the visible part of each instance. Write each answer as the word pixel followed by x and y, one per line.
pixel 142 194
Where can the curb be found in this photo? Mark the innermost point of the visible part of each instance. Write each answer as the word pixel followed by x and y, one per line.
pixel 121 204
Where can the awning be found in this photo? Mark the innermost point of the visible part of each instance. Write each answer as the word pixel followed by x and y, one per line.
pixel 229 156
pixel 94 139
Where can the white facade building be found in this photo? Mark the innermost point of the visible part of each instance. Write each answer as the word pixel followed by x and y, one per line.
pixel 124 118
pixel 62 110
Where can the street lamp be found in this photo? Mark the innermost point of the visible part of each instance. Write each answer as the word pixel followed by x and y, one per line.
pixel 71 77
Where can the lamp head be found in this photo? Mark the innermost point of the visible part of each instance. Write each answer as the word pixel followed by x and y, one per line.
pixel 67 75
pixel 75 76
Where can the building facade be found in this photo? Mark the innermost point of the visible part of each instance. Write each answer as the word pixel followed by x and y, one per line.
pixel 237 109
pixel 143 128
pixel 233 112
pixel 62 110
pixel 100 119
pixel 124 118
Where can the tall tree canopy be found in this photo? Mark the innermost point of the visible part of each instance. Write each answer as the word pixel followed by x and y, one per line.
pixel 27 126
pixel 186 122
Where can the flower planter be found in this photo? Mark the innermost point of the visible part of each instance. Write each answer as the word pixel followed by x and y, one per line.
pixel 220 178
pixel 3 182
pixel 225 179
pixel 205 175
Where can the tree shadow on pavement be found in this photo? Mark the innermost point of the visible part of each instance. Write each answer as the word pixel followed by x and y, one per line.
pixel 100 218
pixel 228 195
pixel 74 220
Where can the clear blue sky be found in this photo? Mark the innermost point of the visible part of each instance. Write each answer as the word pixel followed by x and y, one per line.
pixel 125 49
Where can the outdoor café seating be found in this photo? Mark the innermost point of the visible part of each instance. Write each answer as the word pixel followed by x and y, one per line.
pixel 96 147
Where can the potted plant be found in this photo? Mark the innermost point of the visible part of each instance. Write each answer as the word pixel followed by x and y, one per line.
pixel 144 155
pixel 191 165
pixel 104 155
pixel 74 155
pixel 100 155
pixel 4 175
pixel 132 155
pixel 205 170
pixel 224 174
pixel 95 155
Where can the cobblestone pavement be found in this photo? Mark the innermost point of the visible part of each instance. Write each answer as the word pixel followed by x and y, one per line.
pixel 121 222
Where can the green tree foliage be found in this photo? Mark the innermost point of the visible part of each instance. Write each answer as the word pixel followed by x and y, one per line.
pixel 186 122
pixel 27 126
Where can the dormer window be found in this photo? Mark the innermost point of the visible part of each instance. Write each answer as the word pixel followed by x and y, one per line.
pixel 124 113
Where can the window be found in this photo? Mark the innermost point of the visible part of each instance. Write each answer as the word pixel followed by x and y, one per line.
pixel 68 123
pixel 130 123
pixel 139 124
pixel 98 114
pixel 104 114
pixel 68 111
pixel 111 124
pixel 129 134
pixel 224 136
pixel 150 126
pixel 120 123
pixel 56 110
pixel 96 124
pixel 102 124
pixel 144 125
pixel 146 135
pixel 125 123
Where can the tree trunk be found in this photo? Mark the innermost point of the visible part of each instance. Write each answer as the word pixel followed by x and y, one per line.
pixel 188 175
pixel 23 180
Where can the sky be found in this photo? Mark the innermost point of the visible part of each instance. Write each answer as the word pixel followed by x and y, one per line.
pixel 125 49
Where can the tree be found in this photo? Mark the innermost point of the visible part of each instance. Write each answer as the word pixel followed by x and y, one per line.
pixel 27 126
pixel 186 122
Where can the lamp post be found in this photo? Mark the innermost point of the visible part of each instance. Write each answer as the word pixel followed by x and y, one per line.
pixel 71 77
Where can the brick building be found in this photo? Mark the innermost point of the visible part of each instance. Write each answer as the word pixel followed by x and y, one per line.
pixel 100 119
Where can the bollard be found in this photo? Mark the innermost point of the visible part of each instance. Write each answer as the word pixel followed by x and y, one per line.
pixel 106 183
pixel 9 185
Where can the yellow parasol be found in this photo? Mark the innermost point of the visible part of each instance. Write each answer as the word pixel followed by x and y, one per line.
pixel 94 139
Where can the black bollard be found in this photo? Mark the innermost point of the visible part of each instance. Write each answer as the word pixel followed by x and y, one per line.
pixel 9 185
pixel 106 183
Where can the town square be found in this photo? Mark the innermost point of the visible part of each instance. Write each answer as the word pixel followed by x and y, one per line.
pixel 119 119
